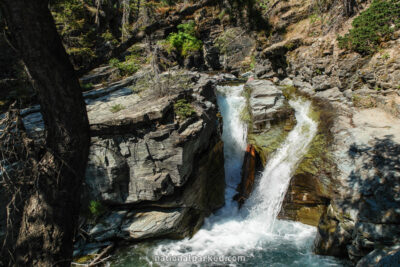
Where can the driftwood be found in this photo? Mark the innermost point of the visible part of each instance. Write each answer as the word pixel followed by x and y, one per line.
pixel 100 258
pixel 248 175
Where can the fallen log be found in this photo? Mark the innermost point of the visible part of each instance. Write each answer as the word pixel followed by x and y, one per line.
pixel 248 175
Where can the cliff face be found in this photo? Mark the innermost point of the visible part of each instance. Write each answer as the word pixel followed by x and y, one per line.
pixel 156 166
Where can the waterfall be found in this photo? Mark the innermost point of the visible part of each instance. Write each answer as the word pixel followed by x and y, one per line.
pixel 266 202
pixel 253 231
pixel 234 135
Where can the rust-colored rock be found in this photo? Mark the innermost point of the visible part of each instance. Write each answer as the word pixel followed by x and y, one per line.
pixel 248 174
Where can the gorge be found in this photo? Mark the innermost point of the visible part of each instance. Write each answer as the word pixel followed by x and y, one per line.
pixel 261 133
pixel 252 231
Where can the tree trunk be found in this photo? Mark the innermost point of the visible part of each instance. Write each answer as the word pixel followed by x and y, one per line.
pixel 51 211
pixel 349 6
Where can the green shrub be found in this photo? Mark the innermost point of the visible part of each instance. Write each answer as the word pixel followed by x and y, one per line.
pixel 81 52
pixel 185 41
pixel 184 109
pixel 87 86
pixel 114 62
pixel 107 36
pixel 129 66
pixel 96 208
pixel 372 27
pixel 385 56
pixel 117 108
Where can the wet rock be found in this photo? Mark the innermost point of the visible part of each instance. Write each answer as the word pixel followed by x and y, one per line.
pixel 247 75
pixel 82 249
pixel 287 82
pixel 267 104
pixel 389 256
pixel 141 225
pixel 248 175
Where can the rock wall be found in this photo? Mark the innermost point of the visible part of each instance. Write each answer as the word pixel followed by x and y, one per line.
pixel 357 195
pixel 269 119
pixel 158 174
pixel 269 116
pixel 151 173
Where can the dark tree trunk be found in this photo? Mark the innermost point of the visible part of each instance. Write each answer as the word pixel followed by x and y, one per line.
pixel 349 6
pixel 51 211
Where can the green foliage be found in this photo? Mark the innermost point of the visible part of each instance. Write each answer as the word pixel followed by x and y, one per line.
pixel 96 208
pixel 185 41
pixel 289 91
pixel 107 36
pixel 253 62
pixel 372 27
pixel 263 4
pixel 314 18
pixel 114 62
pixel 318 71
pixel 222 14
pixel 184 109
pixel 385 56
pixel 129 66
pixel 290 46
pixel 245 115
pixel 87 86
pixel 74 23
pixel 81 52
pixel 117 108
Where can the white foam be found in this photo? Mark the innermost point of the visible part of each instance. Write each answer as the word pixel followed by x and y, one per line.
pixel 253 228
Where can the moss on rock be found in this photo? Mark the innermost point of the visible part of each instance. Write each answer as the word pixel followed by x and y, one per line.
pixel 310 188
pixel 269 141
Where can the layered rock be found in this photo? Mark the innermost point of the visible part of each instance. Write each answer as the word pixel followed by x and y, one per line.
pixel 269 115
pixel 360 189
pixel 363 215
pixel 246 184
pixel 160 175
pixel 310 188
pixel 154 174
pixel 269 119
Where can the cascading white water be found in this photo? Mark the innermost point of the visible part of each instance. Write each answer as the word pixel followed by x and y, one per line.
pixel 234 135
pixel 265 203
pixel 253 231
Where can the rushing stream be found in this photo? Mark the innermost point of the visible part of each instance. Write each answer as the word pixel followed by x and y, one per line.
pixel 251 236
